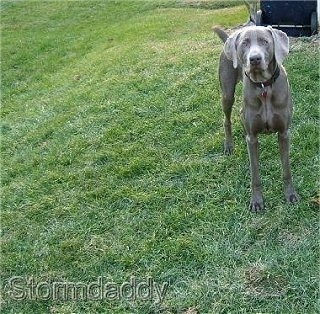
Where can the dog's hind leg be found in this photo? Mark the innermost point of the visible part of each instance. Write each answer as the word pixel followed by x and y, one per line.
pixel 227 102
pixel 228 79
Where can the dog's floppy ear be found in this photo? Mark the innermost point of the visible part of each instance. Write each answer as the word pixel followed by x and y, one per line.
pixel 281 44
pixel 230 48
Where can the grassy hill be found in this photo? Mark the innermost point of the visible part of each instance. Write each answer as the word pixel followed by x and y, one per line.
pixel 113 172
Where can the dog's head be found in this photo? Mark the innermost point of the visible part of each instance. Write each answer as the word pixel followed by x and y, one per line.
pixel 255 47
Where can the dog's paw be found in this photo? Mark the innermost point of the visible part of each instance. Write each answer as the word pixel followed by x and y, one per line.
pixel 256 204
pixel 291 195
pixel 292 198
pixel 228 149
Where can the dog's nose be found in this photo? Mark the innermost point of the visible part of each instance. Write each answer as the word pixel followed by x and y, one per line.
pixel 255 59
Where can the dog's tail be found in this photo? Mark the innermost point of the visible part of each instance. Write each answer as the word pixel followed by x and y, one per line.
pixel 221 33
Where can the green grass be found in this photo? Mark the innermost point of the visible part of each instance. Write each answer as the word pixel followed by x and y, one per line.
pixel 112 162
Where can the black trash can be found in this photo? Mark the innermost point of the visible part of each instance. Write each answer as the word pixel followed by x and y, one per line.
pixel 296 18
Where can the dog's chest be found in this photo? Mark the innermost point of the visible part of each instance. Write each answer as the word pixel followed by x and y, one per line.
pixel 264 112
pixel 268 113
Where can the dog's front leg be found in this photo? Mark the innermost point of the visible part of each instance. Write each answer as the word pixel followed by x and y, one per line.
pixel 256 203
pixel 290 194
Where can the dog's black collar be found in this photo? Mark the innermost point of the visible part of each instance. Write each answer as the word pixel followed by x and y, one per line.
pixel 266 83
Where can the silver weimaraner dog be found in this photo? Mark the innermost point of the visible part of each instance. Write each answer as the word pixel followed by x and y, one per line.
pixel 255 54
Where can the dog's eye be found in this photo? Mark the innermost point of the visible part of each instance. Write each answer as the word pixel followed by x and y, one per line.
pixel 263 42
pixel 245 43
